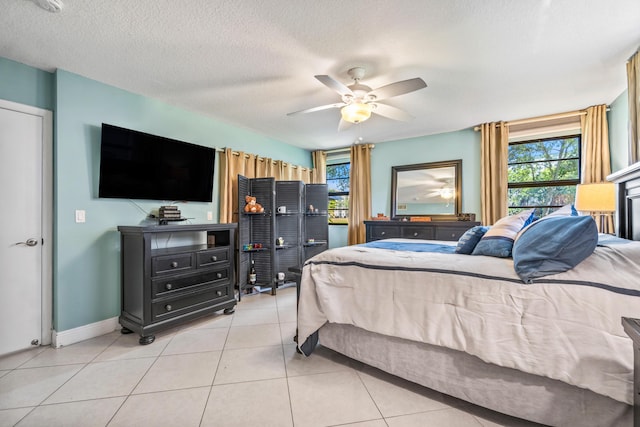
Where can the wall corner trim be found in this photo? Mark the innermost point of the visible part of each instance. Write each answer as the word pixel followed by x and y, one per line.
pixel 82 333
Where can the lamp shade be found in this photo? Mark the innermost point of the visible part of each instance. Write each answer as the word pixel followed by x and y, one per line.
pixel 599 197
pixel 356 112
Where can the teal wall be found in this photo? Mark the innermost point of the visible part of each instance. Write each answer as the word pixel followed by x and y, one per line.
pixel 463 144
pixel 26 85
pixel 618 120
pixel 86 261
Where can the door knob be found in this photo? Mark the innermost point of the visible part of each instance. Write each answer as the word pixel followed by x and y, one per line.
pixel 29 242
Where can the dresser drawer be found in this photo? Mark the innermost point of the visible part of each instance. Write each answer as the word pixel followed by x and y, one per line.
pixel 172 263
pixel 168 308
pixel 212 257
pixel 384 232
pixel 428 230
pixel 172 285
pixel 450 233
pixel 418 233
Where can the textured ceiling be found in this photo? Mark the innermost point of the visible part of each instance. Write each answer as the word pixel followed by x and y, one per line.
pixel 250 62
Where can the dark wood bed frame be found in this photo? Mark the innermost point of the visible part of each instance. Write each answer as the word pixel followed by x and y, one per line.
pixel 627 182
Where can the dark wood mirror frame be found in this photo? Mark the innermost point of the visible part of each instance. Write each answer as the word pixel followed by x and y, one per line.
pixel 449 215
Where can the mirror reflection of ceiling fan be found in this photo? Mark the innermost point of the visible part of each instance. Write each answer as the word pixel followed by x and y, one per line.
pixel 360 101
pixel 426 186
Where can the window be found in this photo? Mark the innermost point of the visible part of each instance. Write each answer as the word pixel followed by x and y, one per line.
pixel 543 173
pixel 338 187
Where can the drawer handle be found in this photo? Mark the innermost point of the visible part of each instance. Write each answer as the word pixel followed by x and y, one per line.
pixel 383 233
pixel 174 264
pixel 219 275
pixel 415 234
pixel 219 293
pixel 168 307
pixel 214 258
pixel 168 286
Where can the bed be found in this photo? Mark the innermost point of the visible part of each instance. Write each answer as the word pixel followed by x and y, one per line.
pixel 551 350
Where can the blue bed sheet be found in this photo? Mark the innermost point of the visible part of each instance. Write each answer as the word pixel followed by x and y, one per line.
pixel 413 247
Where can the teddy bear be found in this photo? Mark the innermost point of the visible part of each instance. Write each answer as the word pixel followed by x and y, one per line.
pixel 252 206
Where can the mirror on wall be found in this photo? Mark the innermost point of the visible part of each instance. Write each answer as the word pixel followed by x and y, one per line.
pixel 427 189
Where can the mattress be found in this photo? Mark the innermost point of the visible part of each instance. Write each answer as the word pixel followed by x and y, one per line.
pixel 564 326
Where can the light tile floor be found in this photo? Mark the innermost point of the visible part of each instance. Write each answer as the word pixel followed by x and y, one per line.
pixel 235 370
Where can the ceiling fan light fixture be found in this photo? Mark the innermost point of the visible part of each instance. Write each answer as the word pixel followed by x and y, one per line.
pixel 356 112
pixel 53 6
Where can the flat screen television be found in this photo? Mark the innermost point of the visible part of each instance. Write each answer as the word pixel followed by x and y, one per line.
pixel 138 165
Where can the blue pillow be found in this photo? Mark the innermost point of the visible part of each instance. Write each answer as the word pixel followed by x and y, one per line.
pixel 498 240
pixel 554 244
pixel 470 239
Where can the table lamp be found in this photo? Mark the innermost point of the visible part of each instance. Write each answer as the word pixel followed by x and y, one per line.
pixel 598 199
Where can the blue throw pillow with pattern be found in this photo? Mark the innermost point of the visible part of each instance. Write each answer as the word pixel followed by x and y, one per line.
pixel 469 240
pixel 498 240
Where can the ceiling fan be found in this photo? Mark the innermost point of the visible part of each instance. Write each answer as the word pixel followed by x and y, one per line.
pixel 359 101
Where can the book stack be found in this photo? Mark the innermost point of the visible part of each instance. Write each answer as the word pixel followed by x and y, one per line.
pixel 169 212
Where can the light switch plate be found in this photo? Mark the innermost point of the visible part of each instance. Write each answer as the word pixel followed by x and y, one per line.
pixel 209 216
pixel 80 216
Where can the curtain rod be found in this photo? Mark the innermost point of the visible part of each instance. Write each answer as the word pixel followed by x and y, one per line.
pixel 262 159
pixel 543 118
pixel 345 149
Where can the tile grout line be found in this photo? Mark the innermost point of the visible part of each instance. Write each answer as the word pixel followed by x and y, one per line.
pixel 213 380
pixel 284 360
pixel 138 383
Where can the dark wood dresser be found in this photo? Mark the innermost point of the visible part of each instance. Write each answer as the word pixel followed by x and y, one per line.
pixel 165 285
pixel 431 230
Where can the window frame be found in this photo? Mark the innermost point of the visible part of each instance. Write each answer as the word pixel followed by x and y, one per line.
pixel 540 184
pixel 338 193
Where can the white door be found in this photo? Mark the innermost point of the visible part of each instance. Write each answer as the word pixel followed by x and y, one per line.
pixel 23 280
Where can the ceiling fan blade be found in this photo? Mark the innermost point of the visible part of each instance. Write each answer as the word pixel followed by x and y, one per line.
pixel 331 83
pixel 390 112
pixel 343 125
pixel 320 108
pixel 398 88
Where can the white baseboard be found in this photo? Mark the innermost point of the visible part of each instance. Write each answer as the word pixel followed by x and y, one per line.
pixel 82 333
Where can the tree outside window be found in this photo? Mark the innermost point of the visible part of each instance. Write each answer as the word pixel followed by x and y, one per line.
pixel 543 174
pixel 338 188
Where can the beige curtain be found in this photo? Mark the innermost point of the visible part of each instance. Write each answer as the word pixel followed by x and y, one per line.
pixel 233 164
pixel 596 163
pixel 264 166
pixel 494 153
pixel 633 84
pixel 306 175
pixel 320 166
pixel 359 193
pixel 280 171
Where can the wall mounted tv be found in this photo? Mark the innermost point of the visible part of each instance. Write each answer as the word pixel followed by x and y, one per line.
pixel 137 165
